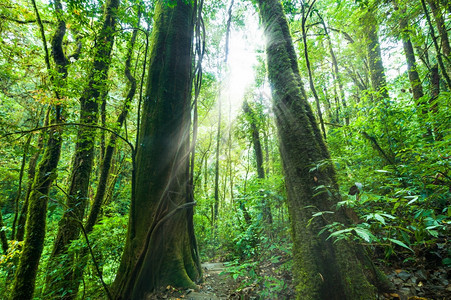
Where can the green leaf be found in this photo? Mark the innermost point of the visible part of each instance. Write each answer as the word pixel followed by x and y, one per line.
pixel 364 234
pixel 399 243
pixel 379 218
pixel 339 232
pixel 322 213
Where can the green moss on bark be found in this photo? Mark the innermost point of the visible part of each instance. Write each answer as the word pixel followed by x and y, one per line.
pixel 159 250
pixel 25 277
pixel 322 269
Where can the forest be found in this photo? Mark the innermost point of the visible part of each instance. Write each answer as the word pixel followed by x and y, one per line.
pixel 239 149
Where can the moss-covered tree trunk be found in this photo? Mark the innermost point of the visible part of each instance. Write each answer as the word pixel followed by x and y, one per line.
pixel 77 195
pixel 440 53
pixel 31 173
pixel 106 165
pixel 36 212
pixel 414 77
pixel 322 269
pixel 376 68
pixel 159 250
pixel 442 31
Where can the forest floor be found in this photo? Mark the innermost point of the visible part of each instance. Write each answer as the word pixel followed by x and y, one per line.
pixel 423 279
pixel 217 285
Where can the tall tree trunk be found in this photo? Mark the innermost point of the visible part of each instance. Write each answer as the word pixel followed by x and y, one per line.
pixel 307 62
pixel 434 92
pixel 322 269
pixel 3 238
pixel 218 144
pixel 376 68
pixel 335 70
pixel 159 250
pixel 436 46
pixel 414 78
pixel 105 168
pixel 77 195
pixel 31 174
pixel 266 208
pixel 19 190
pixel 377 74
pixel 24 283
pixel 442 31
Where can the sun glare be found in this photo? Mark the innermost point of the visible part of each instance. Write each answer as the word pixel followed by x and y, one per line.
pixel 242 59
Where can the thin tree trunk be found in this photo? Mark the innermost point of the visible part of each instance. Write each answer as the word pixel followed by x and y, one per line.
pixel 218 143
pixel 31 174
pixel 441 28
pixel 414 78
pixel 307 62
pixel 335 70
pixel 436 46
pixel 376 68
pixel 434 92
pixel 24 283
pixel 19 190
pixel 266 208
pixel 3 238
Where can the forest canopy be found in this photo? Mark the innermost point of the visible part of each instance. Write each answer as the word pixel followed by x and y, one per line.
pixel 305 145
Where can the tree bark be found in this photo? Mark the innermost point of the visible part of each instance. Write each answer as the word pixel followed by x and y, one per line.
pixel 336 72
pixel 25 277
pixel 105 168
pixel 31 174
pixel 376 68
pixel 414 78
pixel 436 46
pixel 310 75
pixel 3 238
pixel 77 195
pixel 441 28
pixel 322 269
pixel 256 142
pixel 159 250
pixel 19 190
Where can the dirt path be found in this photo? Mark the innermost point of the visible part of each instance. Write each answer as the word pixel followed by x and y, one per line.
pixel 216 286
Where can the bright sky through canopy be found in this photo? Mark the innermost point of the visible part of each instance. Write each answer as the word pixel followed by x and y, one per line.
pixel 243 46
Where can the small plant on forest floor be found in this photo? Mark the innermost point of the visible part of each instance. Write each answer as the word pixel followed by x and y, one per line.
pixel 266 275
pixel 409 225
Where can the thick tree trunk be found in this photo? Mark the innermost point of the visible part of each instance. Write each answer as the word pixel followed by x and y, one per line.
pixel 159 249
pixel 323 269
pixel 77 195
